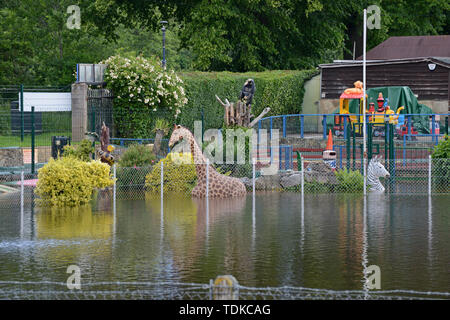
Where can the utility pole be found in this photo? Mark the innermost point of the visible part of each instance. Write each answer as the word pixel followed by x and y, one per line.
pixel 364 102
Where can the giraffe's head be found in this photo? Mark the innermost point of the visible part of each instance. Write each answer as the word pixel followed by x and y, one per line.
pixel 377 168
pixel 179 132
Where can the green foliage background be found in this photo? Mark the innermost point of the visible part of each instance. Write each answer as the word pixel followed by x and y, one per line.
pixel 36 47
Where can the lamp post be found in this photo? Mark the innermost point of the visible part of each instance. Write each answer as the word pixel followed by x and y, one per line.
pixel 164 43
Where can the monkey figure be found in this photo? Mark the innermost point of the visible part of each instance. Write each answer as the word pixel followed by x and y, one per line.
pixel 245 99
pixel 247 92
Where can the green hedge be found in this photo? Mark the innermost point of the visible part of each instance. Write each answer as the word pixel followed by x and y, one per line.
pixel 280 90
pixel 5 119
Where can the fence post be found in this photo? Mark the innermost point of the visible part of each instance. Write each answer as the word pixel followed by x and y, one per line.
pixel 302 123
pixel 259 131
pixel 211 287
pixel 280 156
pixel 409 126
pixel 404 151
pixel 446 125
pixel 93 130
pixel 432 128
pixel 207 179
pixel 391 157
pixel 162 204
pixel 271 122
pixel 429 175
pixel 162 182
pixel 324 125
pixel 21 202
pixel 22 121
pixel 348 146
pixel 345 127
pixel 32 139
pixel 284 126
pixel 354 147
pixel 253 175
pixel 114 188
pixel 365 176
pixel 302 175
pixel 226 288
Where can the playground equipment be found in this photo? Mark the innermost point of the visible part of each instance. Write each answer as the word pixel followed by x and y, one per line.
pixel 377 117
pixel 403 131
pixel 351 146
pixel 389 149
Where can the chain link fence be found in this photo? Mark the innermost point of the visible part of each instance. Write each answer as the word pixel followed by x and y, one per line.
pixel 46 290
pixel 414 176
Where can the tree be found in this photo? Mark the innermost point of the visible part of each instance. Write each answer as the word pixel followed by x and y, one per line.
pixel 242 35
pixel 398 18
pixel 15 49
pixel 36 47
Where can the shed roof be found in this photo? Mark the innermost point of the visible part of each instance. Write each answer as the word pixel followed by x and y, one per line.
pixel 442 61
pixel 411 47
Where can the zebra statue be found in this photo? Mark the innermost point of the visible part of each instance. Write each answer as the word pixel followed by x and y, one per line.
pixel 375 170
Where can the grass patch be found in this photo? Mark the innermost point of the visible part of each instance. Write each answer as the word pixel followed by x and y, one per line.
pixel 42 139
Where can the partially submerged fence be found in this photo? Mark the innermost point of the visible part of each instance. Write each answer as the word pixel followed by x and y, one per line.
pixel 219 289
pixel 414 176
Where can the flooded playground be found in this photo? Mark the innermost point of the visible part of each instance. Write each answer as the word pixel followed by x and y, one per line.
pixel 276 239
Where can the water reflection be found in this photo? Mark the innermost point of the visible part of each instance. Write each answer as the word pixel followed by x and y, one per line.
pixel 73 223
pixel 275 239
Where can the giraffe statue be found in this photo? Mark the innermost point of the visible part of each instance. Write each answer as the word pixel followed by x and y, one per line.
pixel 220 186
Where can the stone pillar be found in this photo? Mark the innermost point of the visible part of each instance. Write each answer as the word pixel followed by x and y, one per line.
pixel 79 111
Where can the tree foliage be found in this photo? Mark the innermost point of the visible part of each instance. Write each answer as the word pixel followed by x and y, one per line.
pixel 242 35
pixel 36 47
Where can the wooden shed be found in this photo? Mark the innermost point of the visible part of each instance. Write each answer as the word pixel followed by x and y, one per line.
pixel 398 61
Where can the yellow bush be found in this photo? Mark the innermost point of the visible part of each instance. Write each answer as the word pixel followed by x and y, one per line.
pixel 179 174
pixel 69 181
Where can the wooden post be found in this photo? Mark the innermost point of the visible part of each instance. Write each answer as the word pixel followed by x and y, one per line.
pixel 225 288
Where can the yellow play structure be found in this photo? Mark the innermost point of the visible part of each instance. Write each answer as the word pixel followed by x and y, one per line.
pixel 377 117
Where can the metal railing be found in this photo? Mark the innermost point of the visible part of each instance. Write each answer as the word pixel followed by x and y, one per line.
pixel 295 124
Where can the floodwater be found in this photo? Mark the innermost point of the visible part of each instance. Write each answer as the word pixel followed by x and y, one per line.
pixel 323 241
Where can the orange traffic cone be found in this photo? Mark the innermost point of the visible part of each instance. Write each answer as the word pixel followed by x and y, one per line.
pixel 330 141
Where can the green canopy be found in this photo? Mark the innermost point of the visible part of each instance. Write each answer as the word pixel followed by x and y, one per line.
pixel 398 96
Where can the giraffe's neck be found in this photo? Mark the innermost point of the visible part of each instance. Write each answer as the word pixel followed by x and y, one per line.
pixel 199 158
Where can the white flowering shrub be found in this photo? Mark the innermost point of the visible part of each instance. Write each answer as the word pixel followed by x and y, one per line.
pixel 143 91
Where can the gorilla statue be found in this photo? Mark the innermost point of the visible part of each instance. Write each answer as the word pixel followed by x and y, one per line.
pixel 247 92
